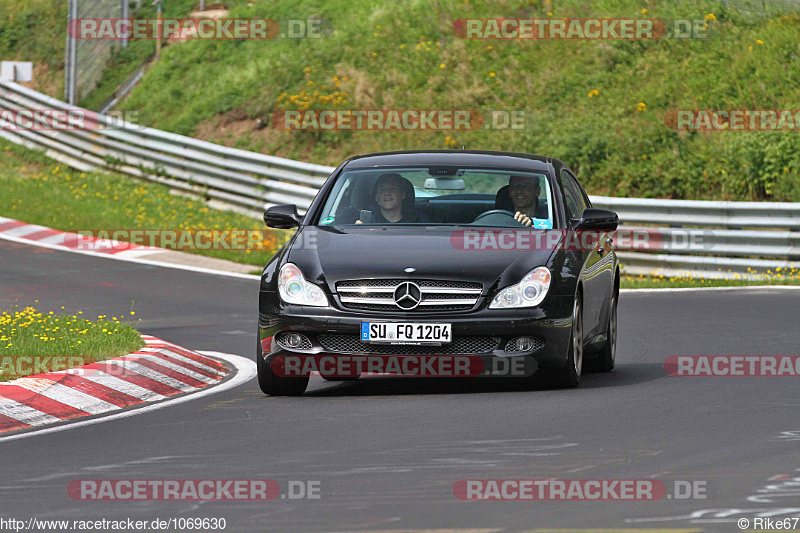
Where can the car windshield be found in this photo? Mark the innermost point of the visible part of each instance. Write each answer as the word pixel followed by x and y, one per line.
pixel 439 196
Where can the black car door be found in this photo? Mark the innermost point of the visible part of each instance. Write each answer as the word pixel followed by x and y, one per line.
pixel 595 256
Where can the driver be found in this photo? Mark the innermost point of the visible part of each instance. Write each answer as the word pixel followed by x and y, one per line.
pixel 524 194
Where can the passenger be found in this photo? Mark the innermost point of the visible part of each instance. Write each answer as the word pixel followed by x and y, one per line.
pixel 394 199
pixel 524 194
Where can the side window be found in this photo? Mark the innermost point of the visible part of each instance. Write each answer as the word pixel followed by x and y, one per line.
pixel 573 196
pixel 581 193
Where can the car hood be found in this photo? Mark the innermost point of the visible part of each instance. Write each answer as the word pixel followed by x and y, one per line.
pixel 328 255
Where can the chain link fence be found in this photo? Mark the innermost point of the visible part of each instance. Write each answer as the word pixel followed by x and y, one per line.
pixel 85 58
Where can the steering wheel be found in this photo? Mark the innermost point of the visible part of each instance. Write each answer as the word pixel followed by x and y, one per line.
pixel 491 212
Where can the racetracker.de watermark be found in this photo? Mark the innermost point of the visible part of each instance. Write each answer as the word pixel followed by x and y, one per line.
pixel 448 366
pixel 642 239
pixel 192 489
pixel 733 365
pixel 733 119
pixel 65 120
pixel 100 240
pixel 580 28
pixel 130 366
pixel 312 238
pixel 400 119
pixel 578 490
pixel 23 365
pixel 196 28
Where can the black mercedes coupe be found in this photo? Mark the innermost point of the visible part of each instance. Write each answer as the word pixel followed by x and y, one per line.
pixel 440 263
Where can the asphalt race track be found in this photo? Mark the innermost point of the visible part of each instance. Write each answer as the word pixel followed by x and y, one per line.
pixel 388 451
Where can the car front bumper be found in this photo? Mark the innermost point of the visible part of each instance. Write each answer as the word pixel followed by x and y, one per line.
pixel 550 326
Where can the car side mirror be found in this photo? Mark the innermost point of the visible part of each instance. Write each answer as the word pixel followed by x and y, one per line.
pixel 282 217
pixel 597 219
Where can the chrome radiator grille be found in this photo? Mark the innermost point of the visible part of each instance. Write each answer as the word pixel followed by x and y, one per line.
pixel 380 295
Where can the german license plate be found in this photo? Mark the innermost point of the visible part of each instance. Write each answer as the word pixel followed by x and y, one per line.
pixel 405 333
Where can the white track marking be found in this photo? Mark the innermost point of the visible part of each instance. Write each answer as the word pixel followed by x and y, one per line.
pixel 185 359
pixel 245 371
pixel 21 231
pixel 155 375
pixel 58 238
pixel 176 368
pixel 25 414
pixel 66 395
pixel 102 378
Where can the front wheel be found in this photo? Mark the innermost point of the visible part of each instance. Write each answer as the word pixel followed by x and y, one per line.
pixel 275 385
pixel 570 374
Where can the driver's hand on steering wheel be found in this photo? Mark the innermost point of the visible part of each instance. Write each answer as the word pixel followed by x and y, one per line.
pixel 523 219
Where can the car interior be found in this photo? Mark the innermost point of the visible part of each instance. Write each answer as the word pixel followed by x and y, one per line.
pixel 455 208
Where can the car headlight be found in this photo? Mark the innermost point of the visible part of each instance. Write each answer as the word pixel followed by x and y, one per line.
pixel 529 292
pixel 294 289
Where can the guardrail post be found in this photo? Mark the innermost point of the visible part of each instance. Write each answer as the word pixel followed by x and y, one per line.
pixel 71 67
pixel 123 41
pixel 159 30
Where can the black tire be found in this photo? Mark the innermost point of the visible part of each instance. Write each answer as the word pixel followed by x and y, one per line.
pixel 570 374
pixel 607 355
pixel 274 385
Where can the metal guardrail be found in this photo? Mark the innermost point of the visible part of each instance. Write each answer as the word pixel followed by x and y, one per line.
pixel 708 238
pixel 236 178
pixel 687 213
pixel 248 181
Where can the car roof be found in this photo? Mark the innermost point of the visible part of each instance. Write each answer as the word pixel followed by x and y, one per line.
pixel 457 158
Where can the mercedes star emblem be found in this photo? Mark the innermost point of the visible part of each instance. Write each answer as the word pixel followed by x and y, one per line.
pixel 407 295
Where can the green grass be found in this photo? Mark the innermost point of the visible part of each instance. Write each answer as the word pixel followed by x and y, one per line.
pixel 396 55
pixel 32 342
pixel 37 190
